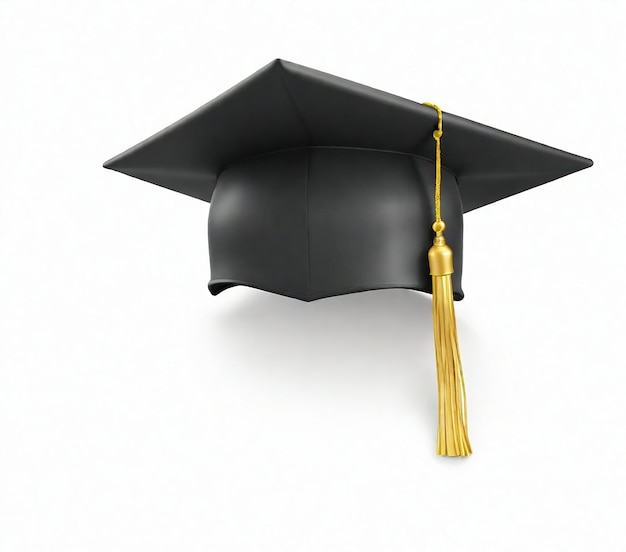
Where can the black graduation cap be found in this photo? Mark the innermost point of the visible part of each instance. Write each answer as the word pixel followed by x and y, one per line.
pixel 321 186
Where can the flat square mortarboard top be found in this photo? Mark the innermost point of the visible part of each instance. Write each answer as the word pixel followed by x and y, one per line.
pixel 322 186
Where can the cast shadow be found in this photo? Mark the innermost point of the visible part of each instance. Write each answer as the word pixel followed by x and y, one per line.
pixel 376 340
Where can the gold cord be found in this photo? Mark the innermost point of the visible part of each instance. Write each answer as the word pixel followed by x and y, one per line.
pixel 437 134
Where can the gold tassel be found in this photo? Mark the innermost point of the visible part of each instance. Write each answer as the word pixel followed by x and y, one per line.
pixel 452 437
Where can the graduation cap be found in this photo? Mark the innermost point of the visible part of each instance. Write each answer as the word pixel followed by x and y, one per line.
pixel 320 186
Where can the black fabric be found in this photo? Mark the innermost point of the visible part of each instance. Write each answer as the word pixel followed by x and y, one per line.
pixel 315 222
pixel 285 105
pixel 321 186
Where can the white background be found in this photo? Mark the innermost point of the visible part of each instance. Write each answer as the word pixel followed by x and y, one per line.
pixel 138 412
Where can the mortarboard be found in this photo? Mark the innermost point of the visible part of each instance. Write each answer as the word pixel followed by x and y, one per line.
pixel 320 186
